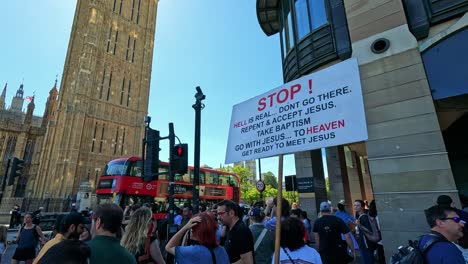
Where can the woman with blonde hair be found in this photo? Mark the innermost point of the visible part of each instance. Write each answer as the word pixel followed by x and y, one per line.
pixel 136 238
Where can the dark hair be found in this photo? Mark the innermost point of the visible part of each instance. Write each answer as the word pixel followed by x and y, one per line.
pixel 304 215
pixel 67 252
pixel 341 207
pixel 135 207
pixel 111 216
pixel 294 228
pixel 436 212
pixel 205 231
pixel 463 200
pixel 361 202
pixel 69 219
pixel 202 208
pixel 284 206
pixel 230 205
pixel 372 209
pixel 295 212
pixel 258 204
pixel 258 218
pixel 58 222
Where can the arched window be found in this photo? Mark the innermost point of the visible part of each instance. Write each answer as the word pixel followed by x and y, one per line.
pixel 28 151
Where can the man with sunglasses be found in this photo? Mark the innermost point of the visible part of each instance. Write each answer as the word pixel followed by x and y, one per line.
pixel 446 228
pixel 446 201
pixel 238 240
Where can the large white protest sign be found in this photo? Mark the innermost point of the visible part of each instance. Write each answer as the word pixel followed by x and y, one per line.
pixel 319 110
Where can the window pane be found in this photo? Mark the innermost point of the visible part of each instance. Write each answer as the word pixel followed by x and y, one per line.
pixel 283 41
pixel 287 26
pixel 317 13
pixel 290 31
pixel 302 18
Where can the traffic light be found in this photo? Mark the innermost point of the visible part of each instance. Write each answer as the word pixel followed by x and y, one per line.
pixel 16 170
pixel 151 168
pixel 179 159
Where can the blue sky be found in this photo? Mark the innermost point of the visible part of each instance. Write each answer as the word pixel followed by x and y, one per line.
pixel 217 45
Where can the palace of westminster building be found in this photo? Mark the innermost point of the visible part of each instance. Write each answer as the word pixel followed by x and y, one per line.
pixel 97 112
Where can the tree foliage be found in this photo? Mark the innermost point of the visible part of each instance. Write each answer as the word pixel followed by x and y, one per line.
pixel 244 175
pixel 249 193
pixel 270 179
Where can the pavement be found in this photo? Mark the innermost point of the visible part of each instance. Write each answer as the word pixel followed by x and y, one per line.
pixel 6 257
pixel 10 250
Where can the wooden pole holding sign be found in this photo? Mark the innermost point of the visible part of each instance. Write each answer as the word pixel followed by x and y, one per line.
pixel 279 205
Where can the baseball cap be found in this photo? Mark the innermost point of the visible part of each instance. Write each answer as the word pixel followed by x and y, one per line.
pixel 324 206
pixel 255 212
pixel 444 200
pixel 343 202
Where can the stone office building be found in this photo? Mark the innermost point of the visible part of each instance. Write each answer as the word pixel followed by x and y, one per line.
pixel 412 60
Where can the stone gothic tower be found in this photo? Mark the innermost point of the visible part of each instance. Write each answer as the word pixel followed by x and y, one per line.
pixel 29 112
pixel 18 100
pixel 103 94
pixel 50 107
pixel 3 97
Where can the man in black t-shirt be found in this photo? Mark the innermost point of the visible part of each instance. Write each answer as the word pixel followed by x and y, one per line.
pixel 329 243
pixel 238 240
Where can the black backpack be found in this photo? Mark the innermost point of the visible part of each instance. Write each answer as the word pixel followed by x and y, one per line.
pixel 412 253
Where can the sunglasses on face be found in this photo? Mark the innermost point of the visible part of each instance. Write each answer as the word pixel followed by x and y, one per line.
pixel 221 213
pixel 455 219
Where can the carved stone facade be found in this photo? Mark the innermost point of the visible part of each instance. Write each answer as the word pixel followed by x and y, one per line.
pixel 103 95
pixel 21 136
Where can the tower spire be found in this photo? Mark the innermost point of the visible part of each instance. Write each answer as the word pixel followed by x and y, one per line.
pixel 4 90
pixel 3 97
pixel 20 91
pixel 30 111
pixel 18 100
pixel 50 105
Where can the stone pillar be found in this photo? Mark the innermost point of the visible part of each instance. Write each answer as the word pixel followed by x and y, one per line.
pixel 408 161
pixel 357 161
pixel 353 175
pixel 319 176
pixel 367 179
pixel 338 176
pixel 309 165
pixel 304 170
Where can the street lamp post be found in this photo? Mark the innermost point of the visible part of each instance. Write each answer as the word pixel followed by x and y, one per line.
pixel 198 106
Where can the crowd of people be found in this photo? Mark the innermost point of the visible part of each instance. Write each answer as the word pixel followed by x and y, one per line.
pixel 227 233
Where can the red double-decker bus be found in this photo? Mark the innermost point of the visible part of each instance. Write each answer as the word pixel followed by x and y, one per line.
pixel 122 183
